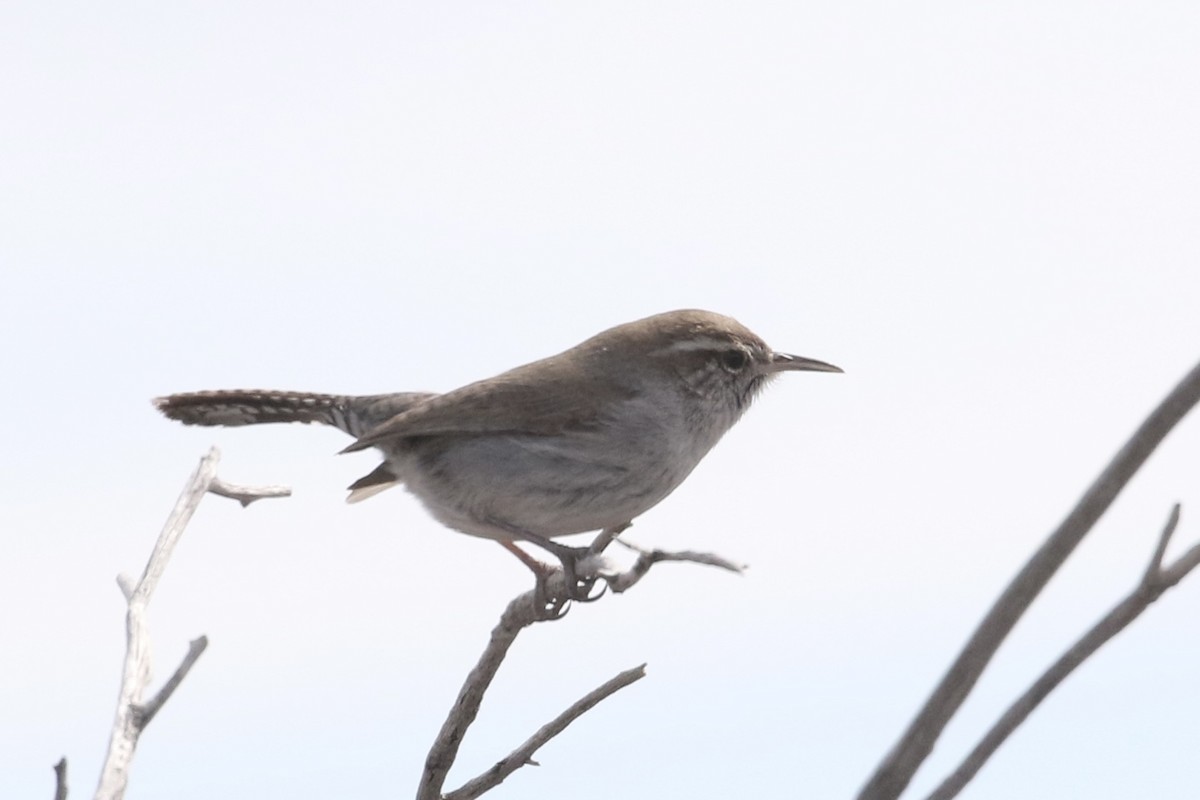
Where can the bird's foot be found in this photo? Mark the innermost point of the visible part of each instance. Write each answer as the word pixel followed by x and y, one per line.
pixel 578 589
pixel 579 578
pixel 578 569
pixel 546 605
pixel 554 604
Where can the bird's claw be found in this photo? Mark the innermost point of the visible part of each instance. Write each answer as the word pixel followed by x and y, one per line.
pixel 575 588
pixel 578 589
pixel 546 606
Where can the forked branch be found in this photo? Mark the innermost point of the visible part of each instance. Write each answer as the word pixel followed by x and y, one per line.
pixel 523 755
pixel 1155 580
pixel 521 612
pixel 895 772
pixel 132 714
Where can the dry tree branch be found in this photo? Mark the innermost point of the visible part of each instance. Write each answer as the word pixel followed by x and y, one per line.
pixel 132 715
pixel 521 612
pixel 246 494
pixel 60 779
pixel 524 754
pixel 896 770
pixel 621 581
pixel 1154 581
pixel 196 648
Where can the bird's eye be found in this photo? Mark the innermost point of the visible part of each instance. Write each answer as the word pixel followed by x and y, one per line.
pixel 735 360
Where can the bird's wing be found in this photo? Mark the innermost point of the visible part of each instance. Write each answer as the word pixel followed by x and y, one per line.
pixel 526 400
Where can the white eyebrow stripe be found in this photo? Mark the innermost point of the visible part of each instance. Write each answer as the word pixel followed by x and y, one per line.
pixel 688 345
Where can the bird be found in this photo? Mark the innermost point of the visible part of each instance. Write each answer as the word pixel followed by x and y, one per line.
pixel 585 440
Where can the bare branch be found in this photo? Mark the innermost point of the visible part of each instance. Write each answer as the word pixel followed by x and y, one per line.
pixel 185 507
pixel 195 649
pixel 1182 566
pixel 524 754
pixel 1154 582
pixel 131 715
pixel 896 770
pixel 523 611
pixel 621 581
pixel 246 494
pixel 60 779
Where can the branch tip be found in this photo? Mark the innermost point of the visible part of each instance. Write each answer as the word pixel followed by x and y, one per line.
pixel 245 495
pixel 60 779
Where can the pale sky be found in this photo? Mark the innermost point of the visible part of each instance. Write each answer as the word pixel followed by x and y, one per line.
pixel 987 215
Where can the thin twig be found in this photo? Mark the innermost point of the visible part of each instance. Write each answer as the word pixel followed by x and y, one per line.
pixel 126 585
pixel 524 754
pixel 60 779
pixel 1153 583
pixel 622 581
pixel 246 494
pixel 1154 568
pixel 1180 569
pixel 195 649
pixel 896 770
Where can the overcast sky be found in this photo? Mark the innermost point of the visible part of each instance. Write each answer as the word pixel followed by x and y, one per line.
pixel 988 215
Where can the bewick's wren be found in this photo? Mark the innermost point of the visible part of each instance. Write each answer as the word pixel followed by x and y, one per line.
pixel 581 441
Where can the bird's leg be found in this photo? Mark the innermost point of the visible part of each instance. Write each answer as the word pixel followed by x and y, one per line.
pixel 547 607
pixel 579 590
pixel 607 537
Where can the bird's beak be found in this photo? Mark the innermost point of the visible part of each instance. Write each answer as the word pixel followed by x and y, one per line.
pixel 782 362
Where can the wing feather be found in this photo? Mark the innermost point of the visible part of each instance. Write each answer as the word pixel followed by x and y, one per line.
pixel 542 398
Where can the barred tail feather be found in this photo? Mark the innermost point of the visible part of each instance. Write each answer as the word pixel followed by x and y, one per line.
pixel 354 414
pixel 254 407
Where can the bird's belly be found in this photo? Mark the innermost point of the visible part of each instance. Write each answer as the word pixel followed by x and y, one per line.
pixel 501 486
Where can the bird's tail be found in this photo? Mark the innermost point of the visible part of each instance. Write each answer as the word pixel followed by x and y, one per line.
pixel 354 414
